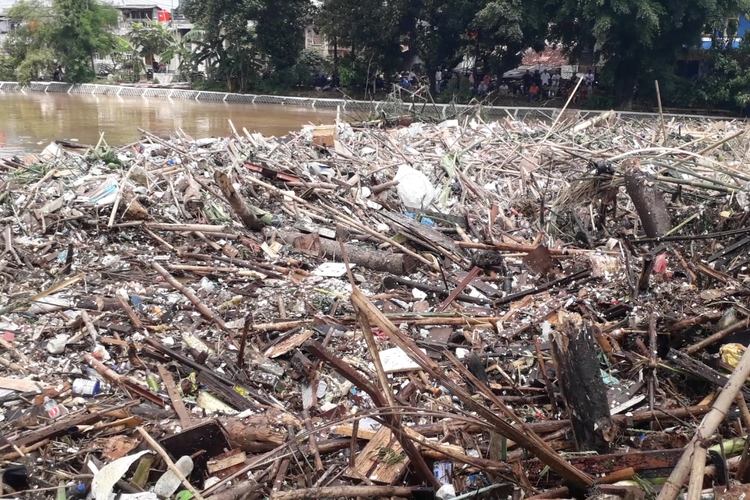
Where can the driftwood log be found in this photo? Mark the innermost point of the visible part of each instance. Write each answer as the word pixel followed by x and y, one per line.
pixel 246 215
pixel 648 200
pixel 312 244
pixel 579 377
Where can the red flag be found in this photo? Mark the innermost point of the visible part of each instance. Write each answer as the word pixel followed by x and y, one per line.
pixel 164 16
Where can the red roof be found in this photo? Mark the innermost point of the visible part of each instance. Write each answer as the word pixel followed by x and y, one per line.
pixel 550 57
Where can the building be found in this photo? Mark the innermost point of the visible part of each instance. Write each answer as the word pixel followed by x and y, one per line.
pixel 5 22
pixel 131 11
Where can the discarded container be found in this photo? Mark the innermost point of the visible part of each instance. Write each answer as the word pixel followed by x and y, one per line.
pixel 86 387
pixel 169 482
pixel 51 407
pixel 324 135
pixel 76 492
pixel 57 345
pixel 443 471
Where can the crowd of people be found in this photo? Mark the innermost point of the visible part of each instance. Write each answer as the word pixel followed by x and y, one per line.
pixel 543 85
pixel 540 85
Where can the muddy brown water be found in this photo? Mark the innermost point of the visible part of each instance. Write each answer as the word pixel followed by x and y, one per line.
pixel 28 122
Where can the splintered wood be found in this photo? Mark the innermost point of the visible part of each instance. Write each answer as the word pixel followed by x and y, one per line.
pixel 382 460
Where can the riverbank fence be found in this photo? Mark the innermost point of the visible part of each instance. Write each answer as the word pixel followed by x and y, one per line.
pixel 351 108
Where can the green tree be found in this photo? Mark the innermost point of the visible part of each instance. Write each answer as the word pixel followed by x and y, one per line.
pixel 443 32
pixel 70 32
pixel 505 29
pixel 152 39
pixel 242 40
pixel 280 30
pixel 80 30
pixel 634 37
pixel 372 33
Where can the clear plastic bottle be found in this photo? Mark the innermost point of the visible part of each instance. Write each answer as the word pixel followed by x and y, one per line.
pixel 169 482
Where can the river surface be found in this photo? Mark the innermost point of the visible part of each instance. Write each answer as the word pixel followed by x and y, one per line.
pixel 28 122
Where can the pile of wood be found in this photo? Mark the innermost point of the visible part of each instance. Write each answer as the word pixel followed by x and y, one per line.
pixel 544 310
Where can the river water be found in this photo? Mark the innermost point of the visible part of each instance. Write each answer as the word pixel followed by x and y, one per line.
pixel 28 122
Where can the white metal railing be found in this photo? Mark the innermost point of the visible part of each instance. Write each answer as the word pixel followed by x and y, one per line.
pixel 443 110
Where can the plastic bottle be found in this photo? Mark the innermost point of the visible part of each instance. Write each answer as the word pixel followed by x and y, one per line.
pixel 169 482
pixel 86 387
pixel 77 492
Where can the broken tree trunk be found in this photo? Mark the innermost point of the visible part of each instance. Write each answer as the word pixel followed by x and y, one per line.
pixel 312 244
pixel 246 215
pixel 648 200
pixel 584 392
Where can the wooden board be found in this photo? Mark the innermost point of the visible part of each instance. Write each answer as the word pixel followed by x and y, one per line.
pixel 18 384
pixel 370 464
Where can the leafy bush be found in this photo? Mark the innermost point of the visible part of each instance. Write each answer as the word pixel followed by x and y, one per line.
pixel 7 69
pixel 35 63
pixel 353 73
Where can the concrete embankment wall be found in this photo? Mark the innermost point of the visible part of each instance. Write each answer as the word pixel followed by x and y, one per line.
pixel 346 105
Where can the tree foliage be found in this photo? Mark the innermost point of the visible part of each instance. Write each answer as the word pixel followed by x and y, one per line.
pixel 151 39
pixel 70 32
pixel 245 45
pixel 636 36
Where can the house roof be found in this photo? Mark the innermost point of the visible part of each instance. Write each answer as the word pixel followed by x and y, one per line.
pixel 118 4
pixel 551 57
pixel 141 4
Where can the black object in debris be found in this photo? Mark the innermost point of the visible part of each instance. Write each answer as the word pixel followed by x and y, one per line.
pixel 476 367
pixel 423 493
pixel 17 477
pixel 722 477
pixel 604 167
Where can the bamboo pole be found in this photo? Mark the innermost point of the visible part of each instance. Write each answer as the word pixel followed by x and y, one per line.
pixel 188 293
pixel 708 426
pixel 157 447
pixel 695 485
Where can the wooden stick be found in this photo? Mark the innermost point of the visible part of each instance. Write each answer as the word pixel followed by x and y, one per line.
pixel 312 439
pixel 205 311
pixel 102 368
pixel 744 412
pixel 661 114
pixel 344 491
pixel 734 327
pixel 695 485
pixel 157 447
pixel 16 352
pixel 128 310
pixel 522 434
pixel 118 196
pixel 174 396
pixel 89 325
pixel 708 426
pixel 237 202
pixel 205 228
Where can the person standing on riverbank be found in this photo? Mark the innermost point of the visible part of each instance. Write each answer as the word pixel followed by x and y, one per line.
pixel 57 74
pixel 438 80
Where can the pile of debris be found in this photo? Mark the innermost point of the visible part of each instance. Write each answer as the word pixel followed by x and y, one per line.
pixel 455 310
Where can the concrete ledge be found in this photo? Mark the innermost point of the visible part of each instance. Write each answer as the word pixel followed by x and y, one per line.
pixel 442 110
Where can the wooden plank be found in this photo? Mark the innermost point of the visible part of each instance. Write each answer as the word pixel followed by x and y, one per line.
pixel 22 385
pixel 288 344
pixel 372 465
pixel 226 460
pixel 174 396
pixel 643 462
pixel 347 429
